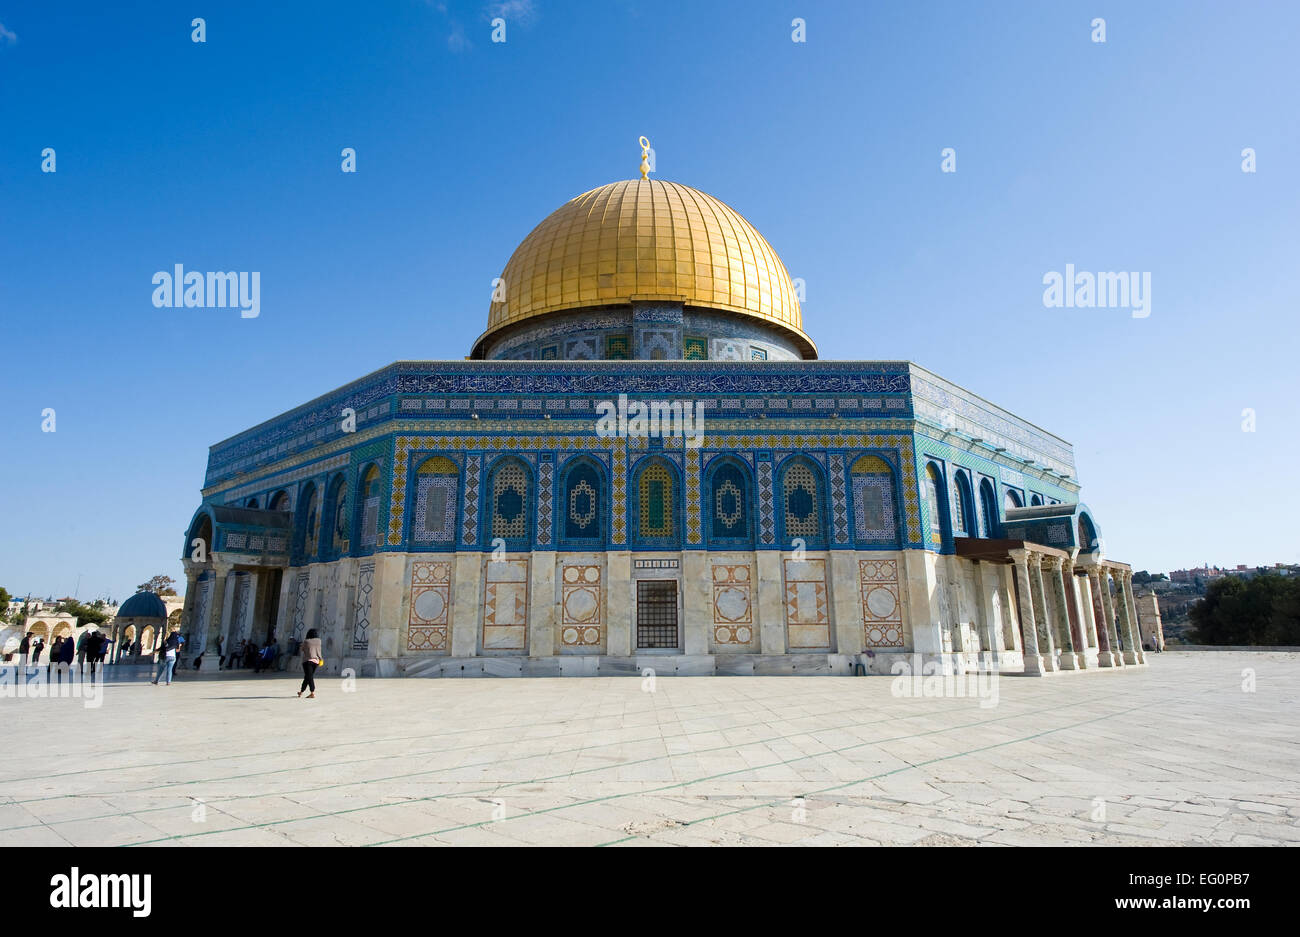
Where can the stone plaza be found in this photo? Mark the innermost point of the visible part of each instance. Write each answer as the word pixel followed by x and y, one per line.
pixel 1202 749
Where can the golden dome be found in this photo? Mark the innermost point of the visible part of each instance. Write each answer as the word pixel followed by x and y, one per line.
pixel 646 239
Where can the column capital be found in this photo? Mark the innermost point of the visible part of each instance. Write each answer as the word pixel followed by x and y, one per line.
pixel 221 566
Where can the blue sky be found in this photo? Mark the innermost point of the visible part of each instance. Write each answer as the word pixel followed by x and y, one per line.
pixel 224 155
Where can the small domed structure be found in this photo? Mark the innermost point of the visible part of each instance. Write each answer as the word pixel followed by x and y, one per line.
pixel 143 619
pixel 143 605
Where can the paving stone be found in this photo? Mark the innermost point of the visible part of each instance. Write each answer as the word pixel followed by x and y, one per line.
pixel 1176 752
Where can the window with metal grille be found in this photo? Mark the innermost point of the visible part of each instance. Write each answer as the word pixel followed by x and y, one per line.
pixel 510 501
pixel 802 503
pixel 656 613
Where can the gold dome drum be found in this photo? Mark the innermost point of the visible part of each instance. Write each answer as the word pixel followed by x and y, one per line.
pixel 646 240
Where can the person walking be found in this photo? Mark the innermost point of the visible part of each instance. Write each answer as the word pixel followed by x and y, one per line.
pixel 81 652
pixel 25 650
pixel 53 658
pixel 167 657
pixel 66 652
pixel 311 659
pixel 36 651
pixel 94 641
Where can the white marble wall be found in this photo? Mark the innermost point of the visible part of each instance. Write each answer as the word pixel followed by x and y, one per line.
pixel 877 605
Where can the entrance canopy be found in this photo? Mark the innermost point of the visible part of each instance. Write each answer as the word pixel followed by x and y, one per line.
pixel 1062 526
pixel 249 535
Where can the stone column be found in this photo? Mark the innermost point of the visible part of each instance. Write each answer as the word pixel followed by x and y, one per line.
pixel 1069 657
pixel 229 611
pixel 990 632
pixel 1006 578
pixel 1034 663
pixel 255 590
pixel 1085 644
pixel 1042 613
pixel 1130 607
pixel 283 613
pixel 216 610
pixel 1112 624
pixel 192 571
pixel 1105 655
pixel 1083 602
pixel 1125 623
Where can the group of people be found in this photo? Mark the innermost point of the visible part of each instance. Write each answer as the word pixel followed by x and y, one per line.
pixel 247 654
pixel 96 647
pixel 92 646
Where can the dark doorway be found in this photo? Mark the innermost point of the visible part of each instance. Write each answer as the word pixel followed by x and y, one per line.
pixel 274 581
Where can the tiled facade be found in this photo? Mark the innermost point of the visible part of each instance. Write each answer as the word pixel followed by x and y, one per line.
pixel 807 461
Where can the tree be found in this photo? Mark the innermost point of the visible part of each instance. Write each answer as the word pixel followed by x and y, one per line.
pixel 1261 610
pixel 159 585
pixel 84 614
pixel 5 599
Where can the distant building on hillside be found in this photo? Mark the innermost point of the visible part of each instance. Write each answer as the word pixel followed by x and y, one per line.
pixel 1277 569
pixel 1199 572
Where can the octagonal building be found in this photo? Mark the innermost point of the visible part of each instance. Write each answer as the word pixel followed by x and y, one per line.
pixel 643 463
